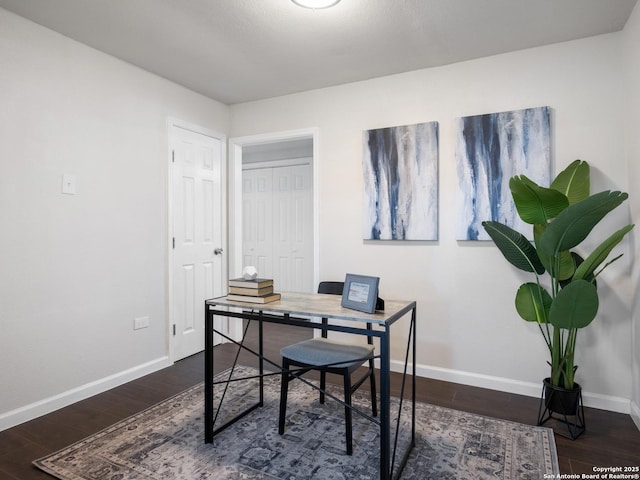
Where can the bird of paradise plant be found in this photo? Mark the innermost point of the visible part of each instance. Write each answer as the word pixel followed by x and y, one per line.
pixel 562 216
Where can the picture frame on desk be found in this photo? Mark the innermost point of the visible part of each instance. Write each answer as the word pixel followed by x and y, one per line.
pixel 360 292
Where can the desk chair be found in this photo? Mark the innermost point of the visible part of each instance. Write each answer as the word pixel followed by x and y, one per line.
pixel 343 359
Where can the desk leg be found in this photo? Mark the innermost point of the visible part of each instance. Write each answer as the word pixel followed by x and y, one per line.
pixel 208 375
pixel 261 359
pixel 413 376
pixel 385 393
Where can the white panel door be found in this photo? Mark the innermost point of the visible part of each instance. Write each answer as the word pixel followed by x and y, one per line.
pixel 278 225
pixel 257 220
pixel 301 267
pixel 197 240
pixel 281 202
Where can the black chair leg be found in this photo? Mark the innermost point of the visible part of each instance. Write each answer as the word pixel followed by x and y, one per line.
pixel 372 381
pixel 347 413
pixel 323 384
pixel 284 389
pixel 286 377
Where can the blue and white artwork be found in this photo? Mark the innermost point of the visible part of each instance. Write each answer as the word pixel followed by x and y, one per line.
pixel 490 149
pixel 400 167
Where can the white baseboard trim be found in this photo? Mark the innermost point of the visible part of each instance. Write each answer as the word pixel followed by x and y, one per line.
pixel 635 414
pixel 595 400
pixel 48 405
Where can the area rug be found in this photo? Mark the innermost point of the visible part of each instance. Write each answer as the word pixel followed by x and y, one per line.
pixel 166 441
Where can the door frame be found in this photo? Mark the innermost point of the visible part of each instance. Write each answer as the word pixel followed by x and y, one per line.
pixel 177 123
pixel 235 199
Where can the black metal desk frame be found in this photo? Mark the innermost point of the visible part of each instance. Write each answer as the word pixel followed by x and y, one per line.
pixel 278 312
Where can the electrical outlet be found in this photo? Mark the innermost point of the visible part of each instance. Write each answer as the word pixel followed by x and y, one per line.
pixel 140 322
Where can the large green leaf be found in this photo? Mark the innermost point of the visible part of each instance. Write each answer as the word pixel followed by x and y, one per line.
pixel 576 260
pixel 566 264
pixel 574 223
pixel 575 306
pixel 600 254
pixel 514 246
pixel 533 303
pixel 536 204
pixel 562 265
pixel 574 181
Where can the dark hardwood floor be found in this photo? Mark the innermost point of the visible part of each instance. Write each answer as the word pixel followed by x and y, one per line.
pixel 611 439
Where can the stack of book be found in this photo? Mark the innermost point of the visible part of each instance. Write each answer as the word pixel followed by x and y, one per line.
pixel 259 290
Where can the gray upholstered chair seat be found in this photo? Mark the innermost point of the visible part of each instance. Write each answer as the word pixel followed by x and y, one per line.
pixel 322 351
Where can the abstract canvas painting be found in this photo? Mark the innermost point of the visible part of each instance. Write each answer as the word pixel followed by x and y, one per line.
pixel 489 150
pixel 400 167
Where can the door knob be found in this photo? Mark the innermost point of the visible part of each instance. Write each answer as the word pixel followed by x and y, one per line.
pixel 218 251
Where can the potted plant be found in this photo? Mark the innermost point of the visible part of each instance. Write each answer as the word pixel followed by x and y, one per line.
pixel 562 217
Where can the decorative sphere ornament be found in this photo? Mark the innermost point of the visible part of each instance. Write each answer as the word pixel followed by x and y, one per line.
pixel 249 273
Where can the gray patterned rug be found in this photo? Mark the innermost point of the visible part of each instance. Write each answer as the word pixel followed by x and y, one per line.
pixel 166 442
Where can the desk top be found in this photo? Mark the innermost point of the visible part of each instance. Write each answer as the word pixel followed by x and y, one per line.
pixel 321 305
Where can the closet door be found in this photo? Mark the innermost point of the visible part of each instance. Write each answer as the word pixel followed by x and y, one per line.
pixel 257 249
pixel 278 225
pixel 293 222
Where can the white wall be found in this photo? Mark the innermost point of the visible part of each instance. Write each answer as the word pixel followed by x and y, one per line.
pixel 76 270
pixel 468 329
pixel 632 141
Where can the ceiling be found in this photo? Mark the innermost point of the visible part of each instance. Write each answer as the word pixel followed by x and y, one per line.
pixel 242 50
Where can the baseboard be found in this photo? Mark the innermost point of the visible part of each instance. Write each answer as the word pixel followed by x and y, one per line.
pixel 48 405
pixel 635 414
pixel 594 400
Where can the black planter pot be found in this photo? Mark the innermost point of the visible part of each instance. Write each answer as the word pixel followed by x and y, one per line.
pixel 564 406
pixel 561 400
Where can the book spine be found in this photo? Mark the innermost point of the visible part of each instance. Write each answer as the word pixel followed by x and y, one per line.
pixel 250 284
pixel 252 299
pixel 255 292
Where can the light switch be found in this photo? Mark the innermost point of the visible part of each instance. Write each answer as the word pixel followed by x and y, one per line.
pixel 140 322
pixel 69 184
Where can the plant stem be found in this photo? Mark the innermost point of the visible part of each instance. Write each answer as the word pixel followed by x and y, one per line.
pixel 556 358
pixel 569 369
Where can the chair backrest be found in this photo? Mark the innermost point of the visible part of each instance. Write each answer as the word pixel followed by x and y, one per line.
pixel 336 288
pixel 331 288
